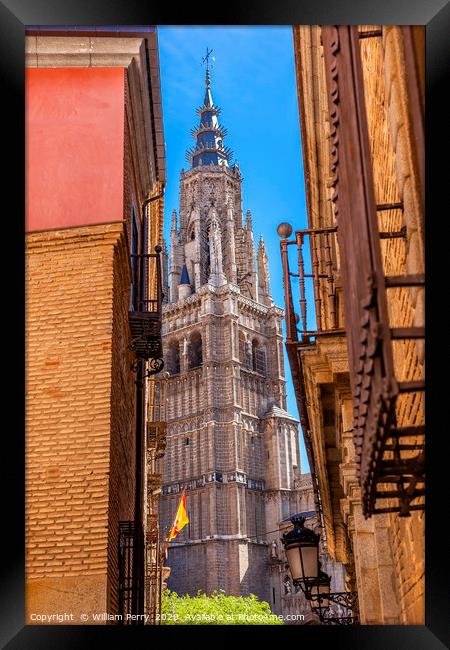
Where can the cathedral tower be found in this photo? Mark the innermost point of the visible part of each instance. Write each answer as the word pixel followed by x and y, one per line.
pixel 230 441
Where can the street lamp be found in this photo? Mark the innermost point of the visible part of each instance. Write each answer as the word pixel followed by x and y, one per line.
pixel 301 546
pixel 302 551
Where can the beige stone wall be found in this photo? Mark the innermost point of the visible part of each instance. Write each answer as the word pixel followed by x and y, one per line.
pixel 79 408
pixel 123 421
pixel 390 584
pixel 396 178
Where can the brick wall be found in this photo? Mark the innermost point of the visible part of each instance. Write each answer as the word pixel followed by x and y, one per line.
pixel 396 178
pixel 78 417
pixel 408 534
pixel 123 422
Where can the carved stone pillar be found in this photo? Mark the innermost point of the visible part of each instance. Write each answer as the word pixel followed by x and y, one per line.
pixel 231 245
pixel 217 276
pixel 184 354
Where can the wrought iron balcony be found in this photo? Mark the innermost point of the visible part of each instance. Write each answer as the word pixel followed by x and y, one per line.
pixel 389 448
pixel 325 284
pixel 146 320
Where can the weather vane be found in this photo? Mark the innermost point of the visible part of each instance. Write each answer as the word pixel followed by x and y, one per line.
pixel 206 59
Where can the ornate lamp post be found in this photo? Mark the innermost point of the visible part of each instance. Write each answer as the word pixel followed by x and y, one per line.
pixel 301 546
pixel 302 551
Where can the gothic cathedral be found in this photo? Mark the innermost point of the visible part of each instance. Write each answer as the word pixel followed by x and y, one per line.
pixel 230 442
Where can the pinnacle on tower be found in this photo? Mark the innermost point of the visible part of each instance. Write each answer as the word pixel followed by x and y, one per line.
pixel 184 275
pixel 184 288
pixel 165 272
pixel 263 273
pixel 262 251
pixel 208 102
pixel 209 134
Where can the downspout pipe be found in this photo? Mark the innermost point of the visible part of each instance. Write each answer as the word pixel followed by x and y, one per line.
pixel 139 557
pixel 140 388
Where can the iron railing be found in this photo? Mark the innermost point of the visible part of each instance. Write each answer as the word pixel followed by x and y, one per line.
pixel 324 276
pixel 399 471
pixel 347 266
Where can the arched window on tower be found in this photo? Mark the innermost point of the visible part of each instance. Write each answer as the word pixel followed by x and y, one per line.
pixel 258 358
pixel 195 357
pixel 173 358
pixel 244 356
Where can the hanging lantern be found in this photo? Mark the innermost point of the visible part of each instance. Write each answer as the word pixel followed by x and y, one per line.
pixel 302 551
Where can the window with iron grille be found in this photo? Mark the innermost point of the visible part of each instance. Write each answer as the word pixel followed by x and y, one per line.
pixel 131 574
pixel 244 356
pixel 259 361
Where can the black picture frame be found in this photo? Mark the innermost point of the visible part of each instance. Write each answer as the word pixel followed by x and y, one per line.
pixel 14 15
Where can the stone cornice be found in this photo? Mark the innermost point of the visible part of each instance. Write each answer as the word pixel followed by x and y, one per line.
pixel 259 308
pixel 247 304
pixel 219 538
pixel 87 51
pixel 171 308
pixel 210 169
pixel 232 476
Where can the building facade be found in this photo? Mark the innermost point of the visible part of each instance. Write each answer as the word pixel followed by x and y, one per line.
pixel 356 345
pixel 230 442
pixel 95 177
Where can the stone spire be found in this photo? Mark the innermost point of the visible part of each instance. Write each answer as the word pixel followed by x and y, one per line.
pixel 210 237
pixel 165 272
pixel 249 258
pixel 175 259
pixel 249 220
pixel 231 242
pixel 209 134
pixel 184 275
pixel 263 274
pixel 174 221
pixel 184 288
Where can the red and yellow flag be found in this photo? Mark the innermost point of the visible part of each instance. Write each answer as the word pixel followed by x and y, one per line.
pixel 181 518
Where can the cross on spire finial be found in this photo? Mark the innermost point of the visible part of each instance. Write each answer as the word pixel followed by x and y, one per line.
pixel 206 58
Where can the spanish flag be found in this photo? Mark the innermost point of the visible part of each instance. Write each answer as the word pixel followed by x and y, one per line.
pixel 181 518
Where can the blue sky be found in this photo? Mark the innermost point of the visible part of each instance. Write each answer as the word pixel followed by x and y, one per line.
pixel 253 81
